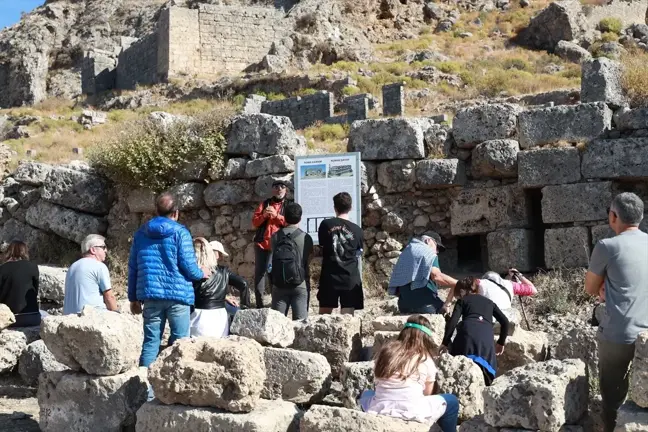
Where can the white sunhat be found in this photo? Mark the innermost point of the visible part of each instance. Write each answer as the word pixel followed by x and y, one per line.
pixel 218 247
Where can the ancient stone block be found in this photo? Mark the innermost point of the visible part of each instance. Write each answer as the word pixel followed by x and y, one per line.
pixel 572 123
pixel 385 139
pixel 601 82
pixel 268 416
pixel 496 158
pixel 567 247
pixel 575 202
pixel 76 402
pixel 266 326
pixel 555 390
pixel 631 119
pixel 6 317
pixel 228 192
pixel 264 134
pixel 440 173
pixel 438 141
pixel 462 377
pixel 12 343
pixel 321 418
pixel 97 342
pixel 36 359
pixel 600 232
pixel 511 248
pixel 382 337
pixel 221 373
pixel 572 52
pixel 548 166
pixel 397 323
pixel 522 348
pixel 269 165
pixel 141 201
pixel 515 321
pixel 639 377
pixel 580 343
pixel 32 173
pixel 480 211
pixel 356 378
pixel 393 99
pixel 336 337
pixel 79 190
pixel 560 21
pixel 303 111
pixel 631 418
pixel 235 169
pixel 295 376
pixel 64 222
pixel 189 196
pixel 397 176
pixel 621 158
pixel 477 124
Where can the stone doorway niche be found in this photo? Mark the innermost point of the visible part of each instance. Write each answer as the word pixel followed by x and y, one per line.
pixel 537 226
pixel 472 255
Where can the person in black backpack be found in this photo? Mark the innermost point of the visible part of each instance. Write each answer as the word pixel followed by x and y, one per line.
pixel 289 273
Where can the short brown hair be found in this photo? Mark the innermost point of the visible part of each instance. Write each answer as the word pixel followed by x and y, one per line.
pixel 342 203
pixel 17 251
pixel 165 204
pixel 465 286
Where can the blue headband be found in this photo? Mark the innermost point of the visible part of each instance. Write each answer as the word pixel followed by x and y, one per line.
pixel 424 329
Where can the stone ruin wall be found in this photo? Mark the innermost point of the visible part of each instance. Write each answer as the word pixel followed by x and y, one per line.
pixel 628 11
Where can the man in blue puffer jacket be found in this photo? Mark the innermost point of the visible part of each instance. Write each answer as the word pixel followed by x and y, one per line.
pixel 161 268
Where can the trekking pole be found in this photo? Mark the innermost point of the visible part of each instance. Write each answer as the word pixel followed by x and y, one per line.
pixel 526 320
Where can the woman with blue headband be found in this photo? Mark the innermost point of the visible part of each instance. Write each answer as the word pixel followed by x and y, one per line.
pixel 404 378
pixel 475 336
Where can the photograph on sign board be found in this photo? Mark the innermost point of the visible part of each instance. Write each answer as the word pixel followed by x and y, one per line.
pixel 341 171
pixel 312 172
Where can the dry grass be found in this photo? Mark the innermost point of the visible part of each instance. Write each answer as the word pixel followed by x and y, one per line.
pixel 560 291
pixel 329 138
pixel 635 77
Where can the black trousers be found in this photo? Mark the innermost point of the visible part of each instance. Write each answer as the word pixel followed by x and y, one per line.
pixel 261 258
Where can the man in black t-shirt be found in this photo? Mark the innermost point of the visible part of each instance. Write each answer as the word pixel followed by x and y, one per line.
pixel 341 279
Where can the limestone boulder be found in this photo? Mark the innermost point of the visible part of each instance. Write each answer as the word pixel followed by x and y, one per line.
pixel 356 378
pixel 64 222
pixel 32 173
pixel 6 317
pixel 522 348
pixel 336 337
pixel 580 343
pixel 369 177
pixel 397 176
pixel 78 190
pixel 264 134
pixel 12 344
pixel 572 52
pixel 632 119
pixel 396 323
pixel 51 283
pixel 389 138
pixel 476 424
pixel 97 342
pixel 480 211
pixel 36 359
pixel 189 196
pixel 276 164
pixel 381 338
pixel 320 418
pixel 611 159
pixel 461 377
pixel 496 158
pixel 511 248
pixel 548 166
pixel 235 169
pixel 639 377
pixel 575 202
pixel 601 82
pixel 477 124
pixel 266 326
pixel 295 376
pixel 77 402
pixel 440 173
pixel 438 140
pixel 141 201
pixel 229 192
pixel 560 21
pixel 567 247
pixel 205 372
pixel 268 416
pixel 539 396
pixel 514 318
pixel 571 123
pixel 631 418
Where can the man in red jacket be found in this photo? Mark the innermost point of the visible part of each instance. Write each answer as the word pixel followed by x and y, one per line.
pixel 268 219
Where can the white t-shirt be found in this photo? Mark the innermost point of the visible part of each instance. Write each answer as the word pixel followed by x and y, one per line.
pixel 425 373
pixel 496 294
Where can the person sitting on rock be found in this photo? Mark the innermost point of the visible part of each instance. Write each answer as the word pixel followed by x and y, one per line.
pixel 475 336
pixel 19 285
pixel 87 282
pixel 501 291
pixel 404 378
pixel 416 277
pixel 210 316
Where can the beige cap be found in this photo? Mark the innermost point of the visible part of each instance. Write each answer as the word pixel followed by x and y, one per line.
pixel 218 247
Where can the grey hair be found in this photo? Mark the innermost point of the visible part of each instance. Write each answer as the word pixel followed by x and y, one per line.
pixel 628 207
pixel 92 240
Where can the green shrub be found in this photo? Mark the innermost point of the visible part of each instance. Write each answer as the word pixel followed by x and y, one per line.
pixel 516 63
pixel 611 25
pixel 327 132
pixel 350 90
pixel 451 67
pixel 609 37
pixel 146 155
pixel 560 291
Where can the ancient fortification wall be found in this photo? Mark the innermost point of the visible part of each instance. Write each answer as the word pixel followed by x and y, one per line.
pixel 138 64
pixel 302 111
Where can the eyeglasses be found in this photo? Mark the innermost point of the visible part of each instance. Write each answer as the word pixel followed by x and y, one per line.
pixel 104 247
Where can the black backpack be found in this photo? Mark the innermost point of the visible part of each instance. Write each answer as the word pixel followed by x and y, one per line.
pixel 287 261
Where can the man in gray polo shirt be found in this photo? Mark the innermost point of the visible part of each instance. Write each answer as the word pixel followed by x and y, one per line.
pixel 618 271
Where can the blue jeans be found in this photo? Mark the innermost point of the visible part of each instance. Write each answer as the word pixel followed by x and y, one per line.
pixel 448 421
pixel 421 300
pixel 156 313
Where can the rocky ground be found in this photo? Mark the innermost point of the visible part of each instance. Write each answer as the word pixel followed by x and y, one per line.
pixel 18 406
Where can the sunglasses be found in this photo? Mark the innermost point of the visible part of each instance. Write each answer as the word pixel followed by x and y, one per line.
pixel 279 186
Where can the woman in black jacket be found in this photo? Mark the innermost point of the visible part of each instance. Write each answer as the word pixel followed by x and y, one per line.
pixel 210 317
pixel 19 285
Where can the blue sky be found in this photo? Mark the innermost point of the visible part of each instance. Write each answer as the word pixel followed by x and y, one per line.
pixel 10 10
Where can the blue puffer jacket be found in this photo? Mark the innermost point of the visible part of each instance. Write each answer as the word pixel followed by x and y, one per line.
pixel 162 263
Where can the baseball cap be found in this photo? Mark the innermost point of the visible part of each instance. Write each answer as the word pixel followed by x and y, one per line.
pixel 218 247
pixel 436 237
pixel 279 182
